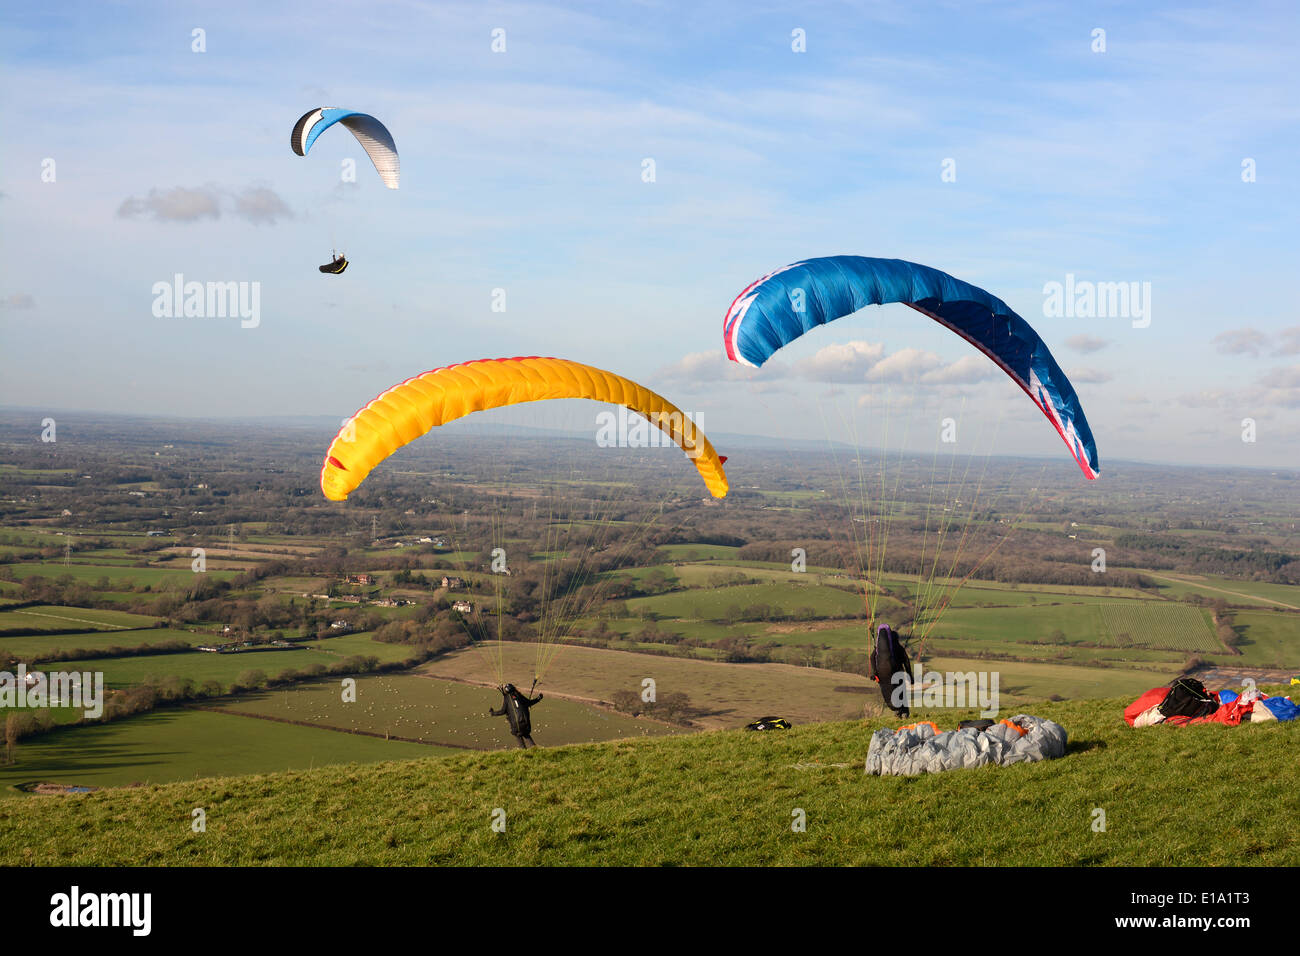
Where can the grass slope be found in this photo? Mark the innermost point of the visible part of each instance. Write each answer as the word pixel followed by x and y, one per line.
pixel 1192 796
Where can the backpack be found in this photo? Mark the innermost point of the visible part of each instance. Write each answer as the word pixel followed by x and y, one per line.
pixel 769 723
pixel 1188 697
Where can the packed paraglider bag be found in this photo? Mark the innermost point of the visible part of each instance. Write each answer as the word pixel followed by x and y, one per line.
pixel 920 748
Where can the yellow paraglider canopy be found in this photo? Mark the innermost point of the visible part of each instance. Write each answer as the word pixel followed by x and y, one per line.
pixel 409 410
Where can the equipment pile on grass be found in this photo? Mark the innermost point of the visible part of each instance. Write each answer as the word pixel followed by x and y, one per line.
pixel 920 748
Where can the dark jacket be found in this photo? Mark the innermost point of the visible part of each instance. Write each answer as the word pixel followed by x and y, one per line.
pixel 515 707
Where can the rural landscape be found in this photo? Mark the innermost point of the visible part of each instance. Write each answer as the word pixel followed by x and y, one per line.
pixel 480 445
pixel 231 663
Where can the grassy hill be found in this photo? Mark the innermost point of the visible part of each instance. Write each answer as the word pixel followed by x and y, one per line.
pixel 1200 795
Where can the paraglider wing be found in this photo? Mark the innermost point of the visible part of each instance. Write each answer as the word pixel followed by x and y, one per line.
pixel 410 409
pixel 781 306
pixel 370 133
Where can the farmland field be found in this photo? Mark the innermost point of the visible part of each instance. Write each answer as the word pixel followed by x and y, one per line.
pixel 1176 626
pixel 184 744
pixel 728 695
pixel 437 711
pixel 48 618
pixel 43 646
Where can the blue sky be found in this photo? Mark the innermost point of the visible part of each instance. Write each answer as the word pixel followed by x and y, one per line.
pixel 522 171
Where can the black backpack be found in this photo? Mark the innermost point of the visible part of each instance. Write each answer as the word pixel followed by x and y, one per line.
pixel 769 723
pixel 889 657
pixel 1188 697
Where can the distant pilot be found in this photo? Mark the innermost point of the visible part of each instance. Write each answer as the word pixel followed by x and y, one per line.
pixel 336 267
pixel 515 706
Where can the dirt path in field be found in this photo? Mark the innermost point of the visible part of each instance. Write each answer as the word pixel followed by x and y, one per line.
pixel 1233 676
pixel 341 730
pixel 1208 587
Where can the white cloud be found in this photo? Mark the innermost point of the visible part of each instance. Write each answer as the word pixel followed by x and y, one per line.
pixel 256 204
pixel 174 205
pixel 1241 342
pixel 259 205
pixel 1086 343
pixel 18 300
pixel 844 363
pixel 1095 376
pixel 1290 341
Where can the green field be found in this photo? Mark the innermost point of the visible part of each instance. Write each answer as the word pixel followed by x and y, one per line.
pixel 1166 625
pixel 1230 589
pixel 1079 622
pixel 713 603
pixel 200 666
pixel 724 695
pixel 181 744
pixel 437 711
pixel 117 576
pixel 1269 638
pixel 40 647
pixel 348 645
pixel 48 618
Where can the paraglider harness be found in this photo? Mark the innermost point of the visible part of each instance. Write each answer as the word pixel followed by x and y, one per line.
pixel 889 658
pixel 336 267
pixel 1188 697
pixel 769 723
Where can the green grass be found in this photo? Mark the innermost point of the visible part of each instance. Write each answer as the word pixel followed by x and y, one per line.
pixel 42 646
pixel 181 744
pixel 1079 622
pixel 442 712
pixel 1164 625
pixel 699 552
pixel 1203 796
pixel 726 695
pixel 117 576
pixel 1176 585
pixel 713 603
pixel 201 666
pixel 50 618
pixel 348 645
pixel 1269 638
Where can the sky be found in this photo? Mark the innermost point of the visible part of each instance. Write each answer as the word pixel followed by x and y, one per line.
pixel 614 174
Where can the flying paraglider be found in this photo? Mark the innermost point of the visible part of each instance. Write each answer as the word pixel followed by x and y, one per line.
pixel 410 409
pixel 370 133
pixel 781 306
pixel 336 266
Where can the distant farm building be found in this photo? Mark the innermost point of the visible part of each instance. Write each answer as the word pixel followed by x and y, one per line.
pixel 361 579
pixel 453 582
pixel 464 607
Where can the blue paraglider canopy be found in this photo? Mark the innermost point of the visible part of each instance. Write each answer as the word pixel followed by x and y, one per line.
pixel 783 305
